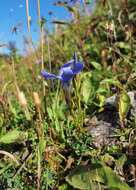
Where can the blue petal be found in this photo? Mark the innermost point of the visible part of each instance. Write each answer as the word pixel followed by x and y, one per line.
pixel 75 58
pixel 66 75
pixel 78 67
pixel 68 64
pixel 49 75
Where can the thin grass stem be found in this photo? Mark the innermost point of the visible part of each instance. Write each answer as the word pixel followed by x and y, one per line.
pixel 28 21
pixel 41 42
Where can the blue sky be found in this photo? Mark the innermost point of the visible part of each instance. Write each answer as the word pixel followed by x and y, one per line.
pixel 14 11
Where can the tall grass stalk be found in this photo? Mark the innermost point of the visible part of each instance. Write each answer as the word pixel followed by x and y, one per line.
pixel 40 133
pixel 49 53
pixel 113 35
pixel 41 42
pixel 38 169
pixel 49 58
pixel 14 74
pixel 28 22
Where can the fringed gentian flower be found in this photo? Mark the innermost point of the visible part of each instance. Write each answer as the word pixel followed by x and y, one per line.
pixel 67 72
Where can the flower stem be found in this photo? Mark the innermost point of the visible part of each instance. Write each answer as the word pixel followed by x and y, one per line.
pixel 67 97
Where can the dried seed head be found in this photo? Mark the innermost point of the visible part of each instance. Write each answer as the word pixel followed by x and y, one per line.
pixel 104 53
pixel 23 102
pixel 37 100
pixel 22 98
pixel 104 57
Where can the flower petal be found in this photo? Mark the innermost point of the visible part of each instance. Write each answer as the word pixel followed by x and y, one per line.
pixel 49 75
pixel 66 74
pixel 78 67
pixel 75 58
pixel 68 64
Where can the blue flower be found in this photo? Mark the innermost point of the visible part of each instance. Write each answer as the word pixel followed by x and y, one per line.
pixel 67 72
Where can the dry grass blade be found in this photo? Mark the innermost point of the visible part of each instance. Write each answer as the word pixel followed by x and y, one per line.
pixel 60 22
pixel 10 156
pixel 64 5
pixel 22 166
pixel 38 170
pixel 28 21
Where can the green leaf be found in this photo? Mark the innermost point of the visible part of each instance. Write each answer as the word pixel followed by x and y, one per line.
pixel 85 177
pixel 86 90
pixel 107 157
pixel 132 15
pixel 96 65
pixel 123 45
pixel 102 94
pixel 79 178
pixel 112 82
pixel 13 136
pixel 121 161
pixel 90 85
pixel 124 105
